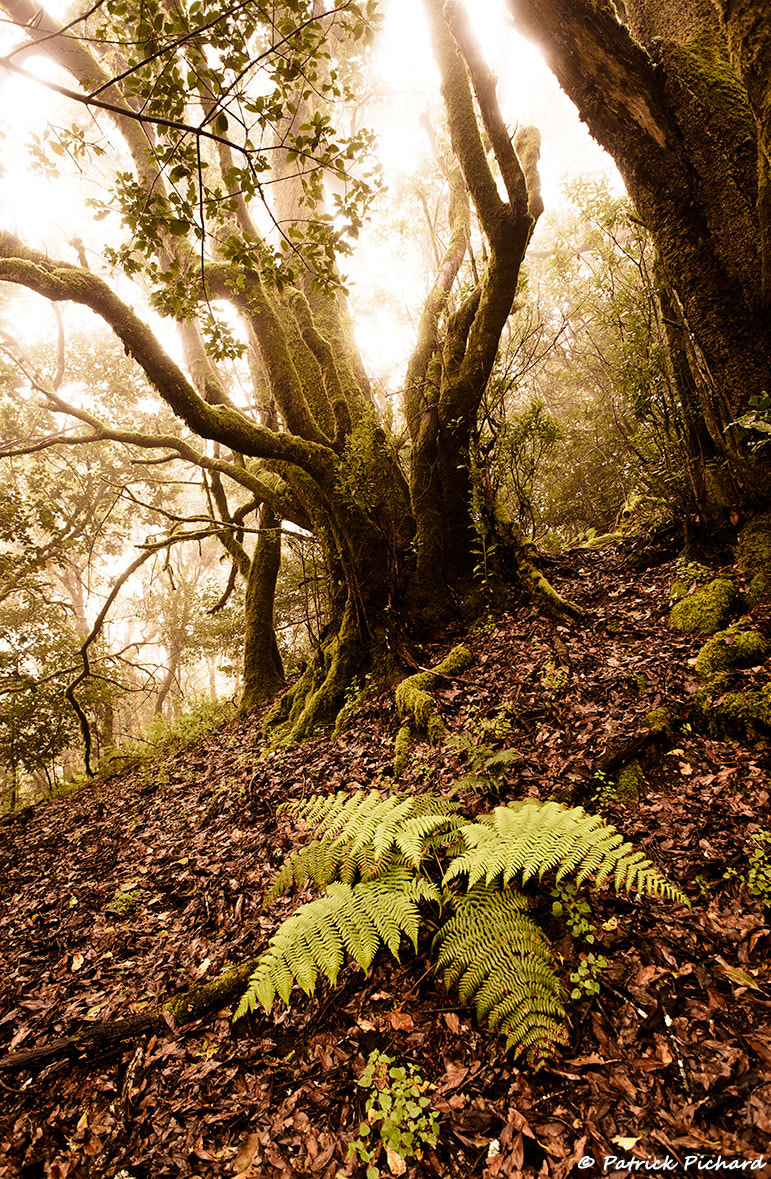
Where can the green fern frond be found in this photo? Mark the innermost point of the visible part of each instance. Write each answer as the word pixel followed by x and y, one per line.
pixel 315 939
pixel 323 861
pixel 380 822
pixel 530 838
pixel 499 959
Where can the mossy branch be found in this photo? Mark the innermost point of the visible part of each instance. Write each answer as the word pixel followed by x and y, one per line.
pixel 183 1008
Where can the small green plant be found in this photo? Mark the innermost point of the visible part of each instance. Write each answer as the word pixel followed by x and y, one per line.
pixel 605 790
pixel 399 1116
pixel 479 748
pixel 586 977
pixel 759 872
pixel 575 912
pixel 126 898
pixel 553 678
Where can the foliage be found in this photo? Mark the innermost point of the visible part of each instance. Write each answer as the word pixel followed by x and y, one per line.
pixel 381 858
pixel 398 1109
pixel 581 415
pixel 586 977
pixel 480 749
pixel 574 911
pixel 759 871
pixel 163 735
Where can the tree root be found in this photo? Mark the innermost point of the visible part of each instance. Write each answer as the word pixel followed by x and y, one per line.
pixel 524 557
pixel 413 700
pixel 183 1008
pixel 317 697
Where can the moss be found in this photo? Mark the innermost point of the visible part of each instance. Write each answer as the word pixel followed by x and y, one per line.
pixel 629 782
pixel 413 699
pixel 705 610
pixel 722 712
pixel 401 749
pixel 126 898
pixel 638 682
pixel 751 708
pixel 729 649
pixel 688 574
pixel 753 556
pixel 663 720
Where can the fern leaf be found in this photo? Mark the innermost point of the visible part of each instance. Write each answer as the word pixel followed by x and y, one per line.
pixel 530 838
pixel 499 959
pixel 315 939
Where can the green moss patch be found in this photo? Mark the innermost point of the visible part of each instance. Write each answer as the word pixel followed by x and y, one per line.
pixel 629 782
pixel 401 749
pixel 753 556
pixel 706 610
pixel 663 720
pixel 413 698
pixel 728 649
pixel 747 710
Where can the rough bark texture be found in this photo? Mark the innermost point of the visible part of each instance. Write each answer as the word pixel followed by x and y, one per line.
pixel 679 100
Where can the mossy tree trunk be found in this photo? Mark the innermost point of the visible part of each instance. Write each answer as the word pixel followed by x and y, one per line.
pixel 680 95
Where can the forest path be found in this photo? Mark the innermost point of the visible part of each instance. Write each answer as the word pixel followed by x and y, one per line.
pixel 152 881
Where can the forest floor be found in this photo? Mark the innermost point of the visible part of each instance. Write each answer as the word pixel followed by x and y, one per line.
pixel 153 881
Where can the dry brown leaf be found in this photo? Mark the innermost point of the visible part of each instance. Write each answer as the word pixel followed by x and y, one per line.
pixel 401 1022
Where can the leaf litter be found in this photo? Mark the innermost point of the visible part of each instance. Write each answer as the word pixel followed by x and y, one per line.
pixel 152 881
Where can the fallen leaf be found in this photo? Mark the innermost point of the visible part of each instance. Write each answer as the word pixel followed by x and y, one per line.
pixel 401 1022
pixel 396 1163
pixel 246 1153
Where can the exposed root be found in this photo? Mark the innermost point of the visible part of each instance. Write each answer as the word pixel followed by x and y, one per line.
pixel 182 1009
pixel 413 699
pixel 316 699
pixel 524 557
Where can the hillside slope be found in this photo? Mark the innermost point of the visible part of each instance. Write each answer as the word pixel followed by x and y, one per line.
pixel 153 881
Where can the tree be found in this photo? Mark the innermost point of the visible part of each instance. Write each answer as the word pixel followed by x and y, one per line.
pixel 680 95
pixel 211 106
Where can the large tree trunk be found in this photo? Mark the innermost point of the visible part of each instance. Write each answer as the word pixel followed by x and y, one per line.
pixel 681 101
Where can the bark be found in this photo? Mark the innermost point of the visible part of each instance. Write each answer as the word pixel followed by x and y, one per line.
pixel 263 668
pixel 668 95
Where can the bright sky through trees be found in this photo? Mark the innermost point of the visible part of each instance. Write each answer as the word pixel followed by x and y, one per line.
pixel 388 278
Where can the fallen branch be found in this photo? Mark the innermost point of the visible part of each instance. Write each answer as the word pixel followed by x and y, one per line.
pixel 183 1008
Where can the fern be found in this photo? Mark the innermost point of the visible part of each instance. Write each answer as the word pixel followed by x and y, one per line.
pixel 498 958
pixel 375 856
pixel 316 938
pixel 530 838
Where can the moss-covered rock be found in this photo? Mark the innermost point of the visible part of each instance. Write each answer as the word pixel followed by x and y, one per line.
pixel 629 782
pixel 706 610
pixel 750 709
pixel 728 649
pixel 413 698
pixel 753 556
pixel 689 574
